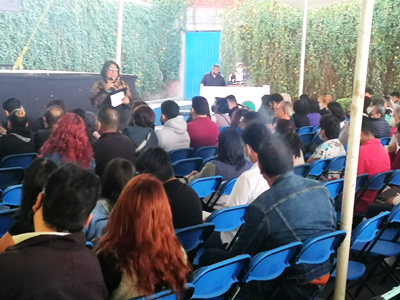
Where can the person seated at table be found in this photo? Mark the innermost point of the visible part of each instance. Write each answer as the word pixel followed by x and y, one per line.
pixel 221 112
pixel 19 138
pixel 239 77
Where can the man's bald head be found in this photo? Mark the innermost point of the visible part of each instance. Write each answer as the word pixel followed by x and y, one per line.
pixel 108 118
pixel 53 114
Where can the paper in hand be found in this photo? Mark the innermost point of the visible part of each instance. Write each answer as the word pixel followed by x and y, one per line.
pixel 116 99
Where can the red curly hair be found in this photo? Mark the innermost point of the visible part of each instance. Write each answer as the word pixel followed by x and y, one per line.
pixel 140 235
pixel 70 140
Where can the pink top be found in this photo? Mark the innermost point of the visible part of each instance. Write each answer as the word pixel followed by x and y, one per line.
pixel 373 159
pixel 203 132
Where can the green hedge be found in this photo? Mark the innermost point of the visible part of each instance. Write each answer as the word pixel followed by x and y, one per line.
pixel 79 35
pixel 266 36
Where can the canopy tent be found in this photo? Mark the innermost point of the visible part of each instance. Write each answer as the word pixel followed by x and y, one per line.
pixel 364 36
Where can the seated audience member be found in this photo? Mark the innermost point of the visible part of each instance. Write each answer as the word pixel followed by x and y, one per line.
pixel 90 126
pixel 68 141
pixel 314 116
pixel 323 101
pixel 11 105
pixel 377 114
pixel 232 104
pixel 53 262
pixel 235 120
pixel 396 120
pixel 250 118
pixel 139 252
pixel 18 138
pixel 50 118
pixel 141 131
pixel 221 113
pixel 393 150
pixel 372 159
pixel 230 161
pixel 287 130
pixel 185 204
pixel 251 183
pixel 301 110
pixel 174 134
pixel 268 106
pixel 137 104
pixel 369 92
pixel 35 179
pixel 284 111
pixel 336 109
pixel 111 144
pixel 202 131
pixel 389 109
pixel 287 97
pixel 116 175
pixel 272 220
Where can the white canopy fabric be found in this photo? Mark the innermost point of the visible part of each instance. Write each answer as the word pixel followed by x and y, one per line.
pixel 311 3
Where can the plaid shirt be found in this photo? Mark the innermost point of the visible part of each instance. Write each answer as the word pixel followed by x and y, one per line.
pixel 99 92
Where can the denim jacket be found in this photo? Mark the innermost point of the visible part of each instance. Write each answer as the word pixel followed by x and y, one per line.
pixel 293 209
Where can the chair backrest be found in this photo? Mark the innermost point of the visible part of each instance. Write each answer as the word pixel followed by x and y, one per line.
pixel 206 186
pixel 215 280
pixel 334 187
pixel 361 180
pixel 170 294
pixel 318 250
pixel 10 176
pixel 305 129
pixel 192 236
pixel 394 216
pixel 302 170
pixel 385 141
pixel 179 154
pixel 228 187
pixel 306 138
pixel 318 167
pixel 12 195
pixel 184 167
pixel 337 164
pixel 367 230
pixel 6 220
pixel 395 179
pixel 270 264
pixel 229 218
pixel 207 160
pixel 18 160
pixel 205 152
pixel 315 129
pixel 378 181
pixel 223 128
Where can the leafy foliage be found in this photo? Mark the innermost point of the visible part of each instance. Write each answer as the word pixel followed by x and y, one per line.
pixel 266 36
pixel 79 35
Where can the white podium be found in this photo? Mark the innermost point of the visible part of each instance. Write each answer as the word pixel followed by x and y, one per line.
pixel 241 93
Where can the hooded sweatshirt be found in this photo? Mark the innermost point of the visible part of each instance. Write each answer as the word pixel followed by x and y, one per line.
pixel 173 135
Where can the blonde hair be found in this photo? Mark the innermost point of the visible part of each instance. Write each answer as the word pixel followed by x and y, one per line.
pixel 325 98
pixel 18 118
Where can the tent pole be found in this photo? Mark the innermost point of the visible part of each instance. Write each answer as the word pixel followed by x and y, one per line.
pixel 357 105
pixel 303 48
pixel 118 46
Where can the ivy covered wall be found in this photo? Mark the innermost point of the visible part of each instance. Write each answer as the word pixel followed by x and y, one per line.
pixel 79 35
pixel 266 37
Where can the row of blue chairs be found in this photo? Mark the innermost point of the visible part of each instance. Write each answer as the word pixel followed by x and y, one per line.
pixel 12 168
pixel 307 129
pixel 321 166
pixel 203 152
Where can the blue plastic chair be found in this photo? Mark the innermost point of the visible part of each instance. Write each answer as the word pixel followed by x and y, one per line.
pixel 306 138
pixel 361 180
pixel 305 129
pixel 206 186
pixel 215 280
pixel 318 167
pixel 157 114
pixel 184 167
pixel 302 170
pixel 193 236
pixel 395 179
pixel 229 218
pixel 337 164
pixel 315 129
pixel 223 128
pixel 385 141
pixel 18 160
pixel 207 160
pixel 225 190
pixel 179 154
pixel 6 220
pixel 205 152
pixel 10 176
pixel 170 294
pixel 375 183
pixel 334 187
pixel 269 265
pixel 12 195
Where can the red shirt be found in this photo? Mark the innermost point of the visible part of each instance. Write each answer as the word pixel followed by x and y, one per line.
pixel 373 159
pixel 203 132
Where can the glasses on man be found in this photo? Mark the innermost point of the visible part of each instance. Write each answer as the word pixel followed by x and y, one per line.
pixel 113 69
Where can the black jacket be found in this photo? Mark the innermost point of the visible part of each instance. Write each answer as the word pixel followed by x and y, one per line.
pixel 381 128
pixel 16 141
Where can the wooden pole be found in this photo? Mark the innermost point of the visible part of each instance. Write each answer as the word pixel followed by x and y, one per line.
pixel 303 48
pixel 357 105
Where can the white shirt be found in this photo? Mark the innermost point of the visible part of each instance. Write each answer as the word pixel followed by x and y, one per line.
pixel 248 187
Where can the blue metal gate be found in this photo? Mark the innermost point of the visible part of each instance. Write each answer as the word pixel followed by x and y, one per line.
pixel 202 51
